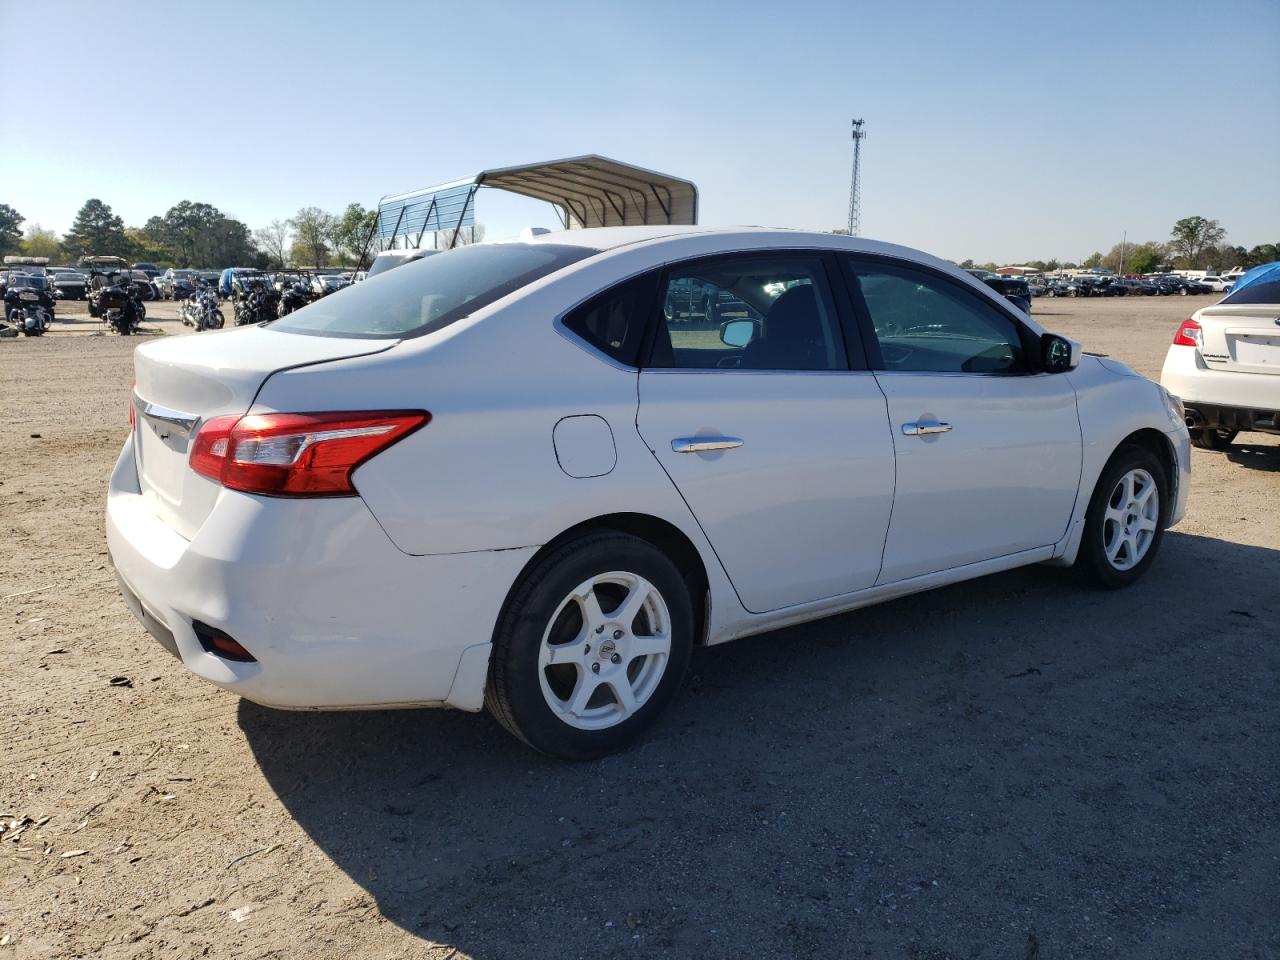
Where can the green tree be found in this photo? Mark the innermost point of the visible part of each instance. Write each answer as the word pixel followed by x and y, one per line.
pixel 1093 260
pixel 351 232
pixel 144 246
pixel 96 231
pixel 41 242
pixel 966 264
pixel 1135 257
pixel 10 228
pixel 1262 253
pixel 1191 237
pixel 312 229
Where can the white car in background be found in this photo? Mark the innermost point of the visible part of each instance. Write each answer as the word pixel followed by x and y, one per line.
pixel 1219 284
pixel 518 474
pixel 1224 364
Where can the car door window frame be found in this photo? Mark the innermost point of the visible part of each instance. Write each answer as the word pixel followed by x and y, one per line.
pixel 845 329
pixel 866 326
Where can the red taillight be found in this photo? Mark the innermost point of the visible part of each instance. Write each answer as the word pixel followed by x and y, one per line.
pixel 297 454
pixel 1188 334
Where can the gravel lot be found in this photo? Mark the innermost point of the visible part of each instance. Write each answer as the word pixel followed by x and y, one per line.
pixel 1014 767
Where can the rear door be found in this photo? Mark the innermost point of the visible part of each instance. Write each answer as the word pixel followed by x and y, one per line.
pixel 988 450
pixel 775 435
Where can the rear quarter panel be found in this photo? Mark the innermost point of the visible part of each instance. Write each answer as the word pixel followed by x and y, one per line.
pixel 483 474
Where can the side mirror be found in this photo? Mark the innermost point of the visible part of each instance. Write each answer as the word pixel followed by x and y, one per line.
pixel 738 333
pixel 1058 354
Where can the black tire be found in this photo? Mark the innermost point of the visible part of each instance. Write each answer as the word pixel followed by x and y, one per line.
pixel 1183 291
pixel 514 693
pixel 218 320
pixel 1211 438
pixel 1092 563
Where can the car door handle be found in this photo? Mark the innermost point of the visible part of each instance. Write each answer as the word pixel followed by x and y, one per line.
pixel 923 429
pixel 704 444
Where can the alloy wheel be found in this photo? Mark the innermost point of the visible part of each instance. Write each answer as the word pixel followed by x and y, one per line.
pixel 605 650
pixel 1131 518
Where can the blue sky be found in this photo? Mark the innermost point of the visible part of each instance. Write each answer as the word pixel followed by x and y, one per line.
pixel 996 130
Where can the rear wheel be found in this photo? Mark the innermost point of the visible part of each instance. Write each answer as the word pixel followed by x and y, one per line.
pixel 592 647
pixel 1126 519
pixel 1212 438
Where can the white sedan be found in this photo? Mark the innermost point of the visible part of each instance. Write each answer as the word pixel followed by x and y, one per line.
pixel 533 475
pixel 1224 363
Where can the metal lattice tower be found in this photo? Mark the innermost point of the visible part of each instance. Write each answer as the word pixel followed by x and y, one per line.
pixel 855 188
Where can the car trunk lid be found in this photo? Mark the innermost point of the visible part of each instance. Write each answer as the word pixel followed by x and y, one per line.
pixel 184 381
pixel 1241 338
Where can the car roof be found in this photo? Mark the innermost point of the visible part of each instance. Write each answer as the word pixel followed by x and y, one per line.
pixel 612 238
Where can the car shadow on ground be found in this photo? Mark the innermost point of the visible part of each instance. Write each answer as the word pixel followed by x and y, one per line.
pixel 1001 765
pixel 1260 457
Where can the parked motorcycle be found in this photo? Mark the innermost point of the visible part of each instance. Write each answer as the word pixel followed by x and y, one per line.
pixel 253 300
pixel 293 295
pixel 117 302
pixel 28 306
pixel 200 310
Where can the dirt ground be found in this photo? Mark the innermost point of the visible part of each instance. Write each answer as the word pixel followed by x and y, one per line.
pixel 1014 767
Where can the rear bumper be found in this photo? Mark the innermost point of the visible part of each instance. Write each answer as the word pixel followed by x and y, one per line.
pixel 1186 376
pixel 1214 416
pixel 336 616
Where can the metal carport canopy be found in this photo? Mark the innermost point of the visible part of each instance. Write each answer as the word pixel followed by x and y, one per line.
pixel 595 191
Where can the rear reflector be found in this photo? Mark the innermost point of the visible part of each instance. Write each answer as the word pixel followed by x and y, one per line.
pixel 297 454
pixel 1188 334
pixel 220 644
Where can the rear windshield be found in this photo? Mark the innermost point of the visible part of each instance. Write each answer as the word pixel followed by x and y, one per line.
pixel 429 294
pixel 1264 291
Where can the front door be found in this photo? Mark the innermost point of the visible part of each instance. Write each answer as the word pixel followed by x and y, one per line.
pixel 988 449
pixel 782 452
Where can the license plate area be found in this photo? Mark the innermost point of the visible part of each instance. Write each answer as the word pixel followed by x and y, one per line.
pixel 1255 350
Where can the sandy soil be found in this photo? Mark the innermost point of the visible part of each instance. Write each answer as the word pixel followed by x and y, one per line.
pixel 1013 767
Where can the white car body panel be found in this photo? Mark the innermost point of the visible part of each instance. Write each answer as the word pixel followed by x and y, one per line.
pixel 335 614
pixel 1001 481
pixel 392 596
pixel 1114 402
pixel 821 436
pixel 1238 363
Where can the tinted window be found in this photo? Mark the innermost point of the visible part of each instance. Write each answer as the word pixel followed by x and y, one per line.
pixel 926 323
pixel 749 312
pixel 431 293
pixel 1262 291
pixel 614 321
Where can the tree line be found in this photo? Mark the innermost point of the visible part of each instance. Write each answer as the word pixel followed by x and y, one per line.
pixel 193 234
pixel 1195 243
pixel 200 235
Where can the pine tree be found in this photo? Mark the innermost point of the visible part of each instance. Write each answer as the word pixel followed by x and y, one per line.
pixel 97 231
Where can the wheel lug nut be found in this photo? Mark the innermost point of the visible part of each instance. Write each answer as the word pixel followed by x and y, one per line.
pixel 595 668
pixel 617 634
pixel 600 629
pixel 616 658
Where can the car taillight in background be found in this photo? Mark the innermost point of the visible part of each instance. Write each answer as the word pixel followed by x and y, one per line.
pixel 297 454
pixel 1188 334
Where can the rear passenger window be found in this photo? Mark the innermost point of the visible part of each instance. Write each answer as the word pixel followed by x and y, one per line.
pixel 749 312
pixel 614 322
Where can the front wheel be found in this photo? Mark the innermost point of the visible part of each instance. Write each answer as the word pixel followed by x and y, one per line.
pixel 216 320
pixel 592 646
pixel 1126 519
pixel 1211 438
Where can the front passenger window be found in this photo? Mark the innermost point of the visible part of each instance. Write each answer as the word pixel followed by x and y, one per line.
pixel 925 323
